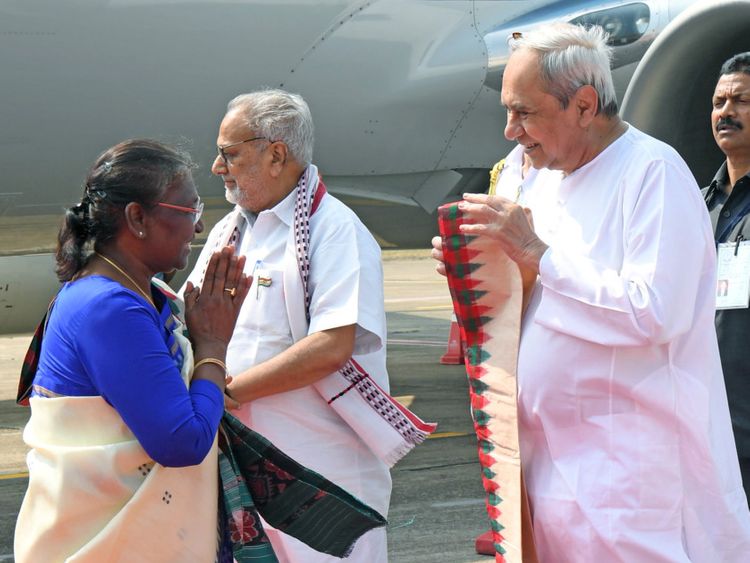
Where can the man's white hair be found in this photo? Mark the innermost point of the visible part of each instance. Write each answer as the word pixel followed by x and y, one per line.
pixel 279 116
pixel 572 56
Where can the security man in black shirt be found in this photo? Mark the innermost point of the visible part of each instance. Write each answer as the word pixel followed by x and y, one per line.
pixel 728 199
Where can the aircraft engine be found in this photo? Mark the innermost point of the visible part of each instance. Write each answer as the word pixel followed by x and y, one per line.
pixel 670 94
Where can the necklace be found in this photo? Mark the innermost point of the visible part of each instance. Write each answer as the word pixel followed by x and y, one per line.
pixel 124 273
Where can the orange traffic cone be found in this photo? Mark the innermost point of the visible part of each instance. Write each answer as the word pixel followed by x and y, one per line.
pixel 455 352
pixel 484 544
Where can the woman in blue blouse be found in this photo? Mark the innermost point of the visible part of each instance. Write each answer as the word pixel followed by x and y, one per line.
pixel 118 387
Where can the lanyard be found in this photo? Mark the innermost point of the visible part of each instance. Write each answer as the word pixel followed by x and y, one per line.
pixel 733 223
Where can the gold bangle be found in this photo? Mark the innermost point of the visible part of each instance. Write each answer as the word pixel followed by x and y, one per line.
pixel 215 361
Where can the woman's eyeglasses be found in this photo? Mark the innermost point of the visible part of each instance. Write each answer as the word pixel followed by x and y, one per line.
pixel 197 211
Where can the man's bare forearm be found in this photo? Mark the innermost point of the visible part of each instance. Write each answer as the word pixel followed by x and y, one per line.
pixel 305 362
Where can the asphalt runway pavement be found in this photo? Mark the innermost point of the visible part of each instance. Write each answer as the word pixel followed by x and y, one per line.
pixel 437 507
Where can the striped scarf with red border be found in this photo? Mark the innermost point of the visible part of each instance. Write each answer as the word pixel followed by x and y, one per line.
pixel 409 429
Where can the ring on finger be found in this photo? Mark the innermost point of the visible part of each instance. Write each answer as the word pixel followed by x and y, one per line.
pixel 232 291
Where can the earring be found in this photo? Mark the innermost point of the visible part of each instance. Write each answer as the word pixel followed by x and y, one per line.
pixel 140 234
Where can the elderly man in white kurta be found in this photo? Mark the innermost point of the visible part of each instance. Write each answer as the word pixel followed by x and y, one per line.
pixel 626 443
pixel 276 354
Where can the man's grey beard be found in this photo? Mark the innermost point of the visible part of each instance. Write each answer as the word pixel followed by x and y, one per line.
pixel 232 195
pixel 235 195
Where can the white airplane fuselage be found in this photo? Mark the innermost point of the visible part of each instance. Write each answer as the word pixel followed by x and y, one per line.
pixel 404 95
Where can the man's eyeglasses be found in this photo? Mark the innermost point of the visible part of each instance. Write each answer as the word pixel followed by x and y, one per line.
pixel 196 211
pixel 222 148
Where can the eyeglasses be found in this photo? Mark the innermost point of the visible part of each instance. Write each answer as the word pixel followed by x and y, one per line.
pixel 196 211
pixel 222 148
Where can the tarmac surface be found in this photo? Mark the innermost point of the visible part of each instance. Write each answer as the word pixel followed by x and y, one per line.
pixel 437 506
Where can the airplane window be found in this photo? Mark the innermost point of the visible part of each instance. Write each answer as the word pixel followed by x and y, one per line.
pixel 624 24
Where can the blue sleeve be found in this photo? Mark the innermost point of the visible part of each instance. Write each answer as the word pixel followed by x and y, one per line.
pixel 122 349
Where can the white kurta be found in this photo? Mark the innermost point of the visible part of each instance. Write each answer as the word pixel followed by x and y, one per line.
pixel 626 440
pixel 512 183
pixel 346 287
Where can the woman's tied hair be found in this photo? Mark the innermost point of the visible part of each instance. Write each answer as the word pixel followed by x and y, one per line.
pixel 136 170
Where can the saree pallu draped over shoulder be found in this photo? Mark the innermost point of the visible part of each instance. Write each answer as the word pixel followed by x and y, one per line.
pixel 487 289
pixel 95 495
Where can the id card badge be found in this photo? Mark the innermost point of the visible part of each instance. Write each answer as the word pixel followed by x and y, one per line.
pixel 733 275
